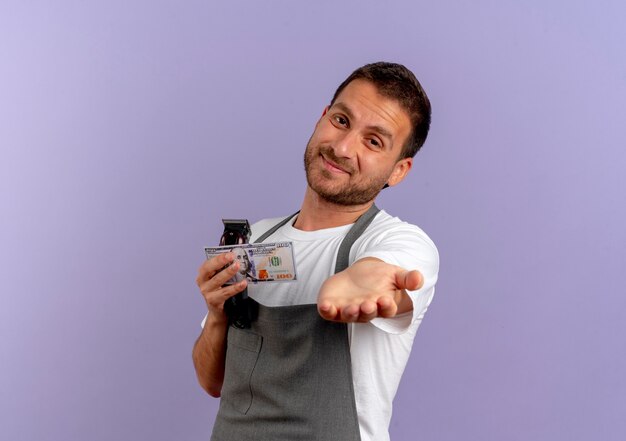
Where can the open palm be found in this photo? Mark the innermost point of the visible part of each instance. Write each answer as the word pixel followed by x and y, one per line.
pixel 369 288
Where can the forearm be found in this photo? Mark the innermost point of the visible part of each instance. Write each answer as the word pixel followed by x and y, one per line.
pixel 209 353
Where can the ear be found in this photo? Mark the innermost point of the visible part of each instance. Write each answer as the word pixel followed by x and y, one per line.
pixel 400 170
pixel 322 116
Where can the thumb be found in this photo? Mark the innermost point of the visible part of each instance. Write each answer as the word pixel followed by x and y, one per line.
pixel 410 280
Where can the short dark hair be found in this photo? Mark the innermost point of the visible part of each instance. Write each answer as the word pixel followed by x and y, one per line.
pixel 397 82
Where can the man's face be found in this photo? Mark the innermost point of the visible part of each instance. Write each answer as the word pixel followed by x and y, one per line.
pixel 355 147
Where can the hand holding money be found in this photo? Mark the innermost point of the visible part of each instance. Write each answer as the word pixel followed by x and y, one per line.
pixel 212 276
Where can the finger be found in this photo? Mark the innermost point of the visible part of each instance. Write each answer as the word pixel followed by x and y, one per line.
pixel 350 313
pixel 217 297
pixel 221 278
pixel 410 280
pixel 212 266
pixel 369 310
pixel 228 291
pixel 209 289
pixel 386 307
pixel 226 274
pixel 327 310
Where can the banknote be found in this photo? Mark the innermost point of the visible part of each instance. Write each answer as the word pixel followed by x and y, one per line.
pixel 260 262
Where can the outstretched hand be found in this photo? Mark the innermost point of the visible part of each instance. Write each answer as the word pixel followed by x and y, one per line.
pixel 367 289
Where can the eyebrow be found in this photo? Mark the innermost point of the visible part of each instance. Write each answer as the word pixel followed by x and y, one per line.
pixel 380 130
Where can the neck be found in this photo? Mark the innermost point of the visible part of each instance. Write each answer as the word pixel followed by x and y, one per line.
pixel 317 213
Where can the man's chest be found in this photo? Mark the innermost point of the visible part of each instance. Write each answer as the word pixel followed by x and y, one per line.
pixel 315 262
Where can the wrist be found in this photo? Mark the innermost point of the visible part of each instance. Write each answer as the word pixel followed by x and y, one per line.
pixel 216 319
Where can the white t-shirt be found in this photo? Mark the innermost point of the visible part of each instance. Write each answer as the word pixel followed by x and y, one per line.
pixel 379 349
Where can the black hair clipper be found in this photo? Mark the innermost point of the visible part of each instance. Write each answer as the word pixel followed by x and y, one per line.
pixel 238 308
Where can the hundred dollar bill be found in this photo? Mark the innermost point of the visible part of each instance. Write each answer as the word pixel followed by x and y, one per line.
pixel 260 262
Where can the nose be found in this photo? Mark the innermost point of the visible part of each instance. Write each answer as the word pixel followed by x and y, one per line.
pixel 345 145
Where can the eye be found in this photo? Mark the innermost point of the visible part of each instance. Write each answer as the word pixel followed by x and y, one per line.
pixel 340 120
pixel 375 143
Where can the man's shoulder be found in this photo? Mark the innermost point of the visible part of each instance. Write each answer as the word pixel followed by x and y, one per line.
pixel 263 225
pixel 385 225
pixel 397 242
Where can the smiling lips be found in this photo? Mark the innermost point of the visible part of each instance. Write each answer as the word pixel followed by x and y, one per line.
pixel 332 167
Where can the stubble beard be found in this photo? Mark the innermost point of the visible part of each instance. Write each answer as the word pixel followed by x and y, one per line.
pixel 345 194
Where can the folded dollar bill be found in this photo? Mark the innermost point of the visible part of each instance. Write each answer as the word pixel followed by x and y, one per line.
pixel 260 262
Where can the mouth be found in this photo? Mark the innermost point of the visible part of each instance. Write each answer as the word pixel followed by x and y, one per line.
pixel 332 167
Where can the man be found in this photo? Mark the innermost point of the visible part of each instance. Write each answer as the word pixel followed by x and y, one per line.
pixel 324 358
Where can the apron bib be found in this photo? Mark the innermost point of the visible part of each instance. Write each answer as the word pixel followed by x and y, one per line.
pixel 289 376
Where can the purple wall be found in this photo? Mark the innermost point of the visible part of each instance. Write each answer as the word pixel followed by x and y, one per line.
pixel 117 124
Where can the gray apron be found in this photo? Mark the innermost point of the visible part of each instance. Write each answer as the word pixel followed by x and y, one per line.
pixel 289 377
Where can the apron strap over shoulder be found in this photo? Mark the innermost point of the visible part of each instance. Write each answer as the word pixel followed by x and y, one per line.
pixel 343 255
pixel 271 231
